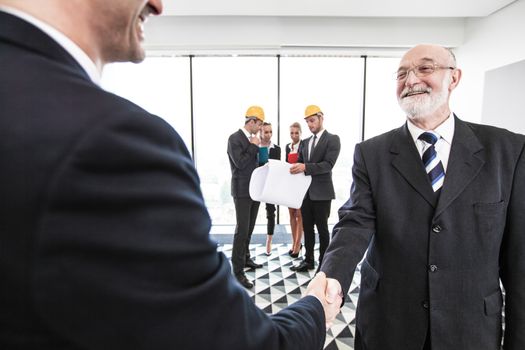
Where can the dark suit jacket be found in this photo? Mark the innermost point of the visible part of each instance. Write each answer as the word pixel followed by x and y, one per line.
pixel 275 152
pixel 103 231
pixel 243 161
pixel 436 263
pixel 320 165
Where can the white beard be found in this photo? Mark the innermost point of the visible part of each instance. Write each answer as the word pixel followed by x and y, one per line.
pixel 419 106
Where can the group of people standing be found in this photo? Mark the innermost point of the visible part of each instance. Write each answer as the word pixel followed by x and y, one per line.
pixel 250 147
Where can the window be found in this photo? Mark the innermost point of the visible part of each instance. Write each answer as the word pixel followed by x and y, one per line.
pixel 161 85
pixel 382 110
pixel 335 84
pixel 224 88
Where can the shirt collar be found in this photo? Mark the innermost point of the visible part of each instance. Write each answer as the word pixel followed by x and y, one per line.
pixel 319 134
pixel 73 49
pixel 445 130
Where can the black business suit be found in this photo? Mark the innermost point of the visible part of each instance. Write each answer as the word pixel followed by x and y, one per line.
pixel 435 264
pixel 104 238
pixel 243 157
pixel 315 208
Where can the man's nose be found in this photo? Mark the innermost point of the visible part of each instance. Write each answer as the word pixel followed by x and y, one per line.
pixel 411 78
pixel 156 6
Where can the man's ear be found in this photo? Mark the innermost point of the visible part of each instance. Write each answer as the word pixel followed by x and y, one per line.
pixel 456 77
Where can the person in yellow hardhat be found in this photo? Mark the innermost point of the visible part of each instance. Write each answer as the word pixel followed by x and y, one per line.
pixel 317 157
pixel 243 150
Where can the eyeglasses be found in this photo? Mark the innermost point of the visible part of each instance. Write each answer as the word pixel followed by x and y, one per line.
pixel 420 71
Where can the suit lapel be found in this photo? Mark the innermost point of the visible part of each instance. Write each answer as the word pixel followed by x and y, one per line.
pixel 407 162
pixel 306 149
pixel 465 162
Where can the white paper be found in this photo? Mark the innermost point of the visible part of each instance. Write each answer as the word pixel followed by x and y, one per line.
pixel 272 183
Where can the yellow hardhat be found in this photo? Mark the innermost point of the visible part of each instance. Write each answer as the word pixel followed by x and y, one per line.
pixel 312 110
pixel 255 112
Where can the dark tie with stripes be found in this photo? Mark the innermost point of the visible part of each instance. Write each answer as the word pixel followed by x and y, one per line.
pixel 433 165
pixel 312 148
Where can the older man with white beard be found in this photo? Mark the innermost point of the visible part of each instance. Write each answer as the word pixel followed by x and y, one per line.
pixel 438 206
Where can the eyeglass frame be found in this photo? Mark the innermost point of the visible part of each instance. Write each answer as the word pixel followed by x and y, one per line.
pixel 418 74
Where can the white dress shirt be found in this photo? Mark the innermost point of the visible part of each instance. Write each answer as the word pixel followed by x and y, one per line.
pixel 445 132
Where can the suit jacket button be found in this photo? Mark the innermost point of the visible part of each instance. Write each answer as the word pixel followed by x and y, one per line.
pixel 433 268
pixel 436 228
pixel 425 304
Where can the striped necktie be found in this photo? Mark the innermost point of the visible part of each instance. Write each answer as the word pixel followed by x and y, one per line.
pixel 433 165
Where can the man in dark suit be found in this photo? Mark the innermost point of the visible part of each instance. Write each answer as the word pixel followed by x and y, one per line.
pixel 243 152
pixel 317 158
pixel 274 152
pixel 440 204
pixel 104 238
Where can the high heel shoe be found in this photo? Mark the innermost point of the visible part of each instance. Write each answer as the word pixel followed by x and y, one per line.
pixel 296 255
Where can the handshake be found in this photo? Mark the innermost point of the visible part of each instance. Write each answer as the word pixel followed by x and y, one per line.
pixel 329 293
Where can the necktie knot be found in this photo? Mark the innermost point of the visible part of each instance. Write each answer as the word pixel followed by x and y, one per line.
pixel 428 137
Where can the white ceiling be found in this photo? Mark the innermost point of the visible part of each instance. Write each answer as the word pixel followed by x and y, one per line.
pixel 335 8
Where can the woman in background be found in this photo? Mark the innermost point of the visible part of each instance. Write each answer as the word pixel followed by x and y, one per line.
pixel 296 220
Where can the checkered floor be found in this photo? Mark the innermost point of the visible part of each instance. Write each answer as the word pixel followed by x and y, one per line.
pixel 276 286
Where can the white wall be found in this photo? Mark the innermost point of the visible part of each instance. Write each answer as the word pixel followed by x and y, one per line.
pixel 272 35
pixel 489 43
pixel 503 97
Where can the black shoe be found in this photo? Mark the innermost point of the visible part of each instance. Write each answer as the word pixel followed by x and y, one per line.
pixel 252 264
pixel 295 255
pixel 303 267
pixel 244 281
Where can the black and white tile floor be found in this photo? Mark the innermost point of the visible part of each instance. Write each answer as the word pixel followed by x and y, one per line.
pixel 276 286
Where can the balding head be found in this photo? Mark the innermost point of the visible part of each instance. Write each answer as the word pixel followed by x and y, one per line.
pixel 439 54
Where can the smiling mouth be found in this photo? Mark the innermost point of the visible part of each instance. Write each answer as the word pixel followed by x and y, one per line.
pixel 410 93
pixel 141 21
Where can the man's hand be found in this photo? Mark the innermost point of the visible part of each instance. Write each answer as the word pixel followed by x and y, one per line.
pixel 334 295
pixel 255 140
pixel 329 293
pixel 297 168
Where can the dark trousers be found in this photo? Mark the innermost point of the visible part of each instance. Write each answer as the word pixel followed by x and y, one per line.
pixel 270 215
pixel 315 213
pixel 246 213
